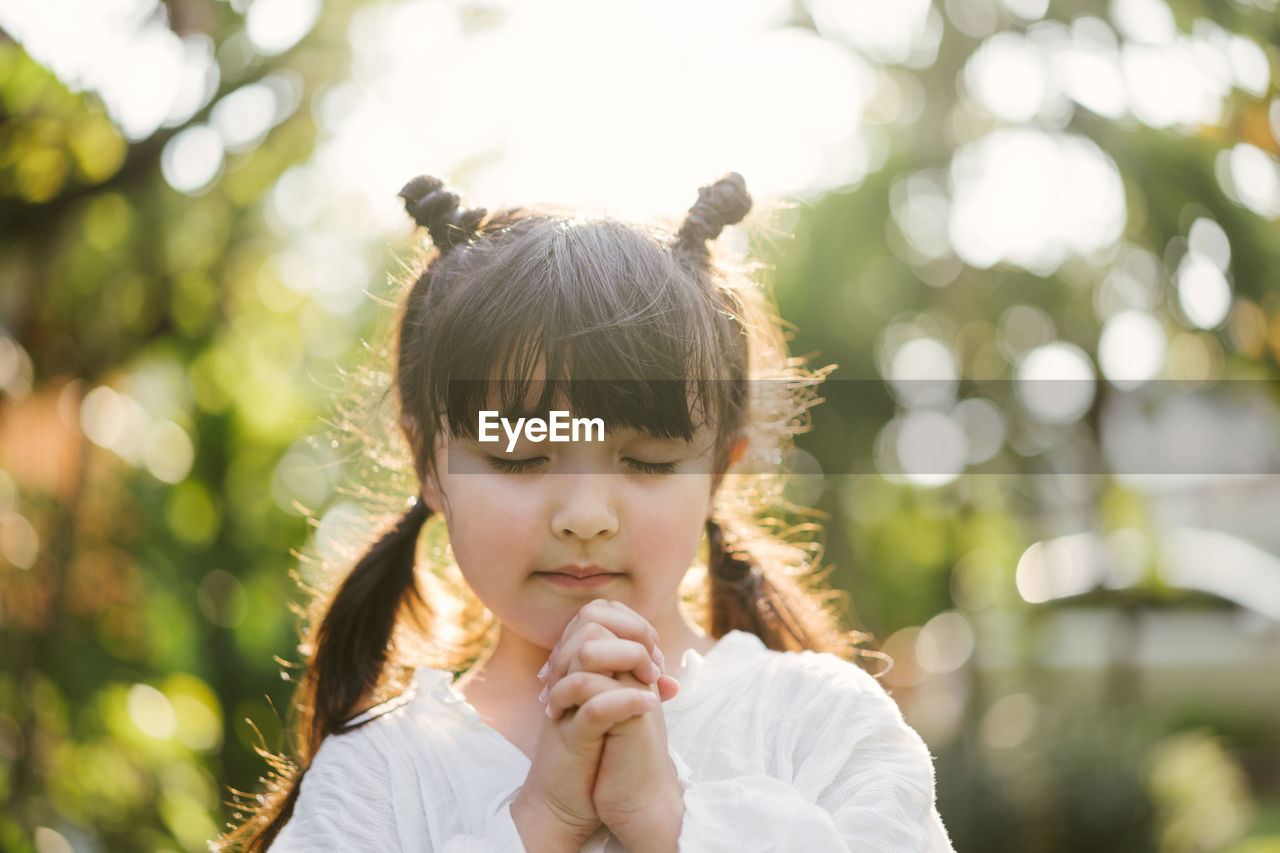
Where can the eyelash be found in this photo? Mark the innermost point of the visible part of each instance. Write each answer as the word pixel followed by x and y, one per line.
pixel 524 466
pixel 514 466
pixel 660 469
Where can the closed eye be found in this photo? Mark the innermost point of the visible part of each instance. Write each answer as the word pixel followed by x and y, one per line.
pixel 656 468
pixel 515 466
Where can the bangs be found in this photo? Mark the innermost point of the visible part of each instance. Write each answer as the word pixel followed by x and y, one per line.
pixel 656 408
pixel 592 317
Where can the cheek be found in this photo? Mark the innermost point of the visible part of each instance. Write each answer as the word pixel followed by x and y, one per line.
pixel 491 523
pixel 669 529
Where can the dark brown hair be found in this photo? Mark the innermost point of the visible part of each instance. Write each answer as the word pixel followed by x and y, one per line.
pixel 679 336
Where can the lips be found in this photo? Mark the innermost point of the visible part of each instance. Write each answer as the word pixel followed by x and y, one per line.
pixel 580 571
pixel 580 577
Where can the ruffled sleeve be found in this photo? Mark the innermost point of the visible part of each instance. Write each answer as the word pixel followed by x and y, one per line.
pixel 851 775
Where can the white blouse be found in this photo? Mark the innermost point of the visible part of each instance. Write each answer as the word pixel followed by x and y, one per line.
pixel 776 751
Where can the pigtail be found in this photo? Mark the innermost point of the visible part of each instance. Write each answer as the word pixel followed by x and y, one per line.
pixel 745 598
pixel 350 649
pixel 347 661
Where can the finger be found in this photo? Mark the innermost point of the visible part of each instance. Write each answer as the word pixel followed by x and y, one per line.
pixel 592 611
pixel 613 655
pixel 592 720
pixel 666 686
pixel 596 649
pixel 565 654
pixel 619 619
pixel 577 688
pixel 644 632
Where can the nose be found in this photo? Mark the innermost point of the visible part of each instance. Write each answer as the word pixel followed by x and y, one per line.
pixel 585 509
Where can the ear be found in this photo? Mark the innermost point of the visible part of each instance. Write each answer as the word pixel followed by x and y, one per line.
pixel 409 426
pixel 737 449
pixel 431 494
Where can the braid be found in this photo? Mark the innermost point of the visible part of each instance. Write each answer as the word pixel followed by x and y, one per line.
pixel 723 203
pixel 436 209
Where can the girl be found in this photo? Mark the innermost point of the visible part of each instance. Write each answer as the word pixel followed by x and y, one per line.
pixel 621 701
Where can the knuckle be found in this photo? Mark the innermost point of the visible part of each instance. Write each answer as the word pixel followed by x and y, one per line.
pixel 576 682
pixel 593 711
pixel 595 631
pixel 589 653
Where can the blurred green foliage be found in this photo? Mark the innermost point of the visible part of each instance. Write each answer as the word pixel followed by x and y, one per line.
pixel 157 370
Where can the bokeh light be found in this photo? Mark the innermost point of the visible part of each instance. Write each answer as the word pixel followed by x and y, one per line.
pixel 1056 382
pixel 1033 199
pixel 1035 239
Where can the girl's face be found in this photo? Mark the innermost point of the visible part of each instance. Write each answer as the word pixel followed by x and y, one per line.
pixel 541 530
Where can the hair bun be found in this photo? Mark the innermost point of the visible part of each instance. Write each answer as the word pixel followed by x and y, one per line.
pixel 436 209
pixel 726 202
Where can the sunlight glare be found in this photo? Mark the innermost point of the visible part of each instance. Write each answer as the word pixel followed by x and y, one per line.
pixel 115 421
pixel 541 113
pixel 1176 84
pixel 1006 75
pixel 152 712
pixel 1086 67
pixel 919 205
pixel 983 428
pixel 1027 10
pixel 168 452
pixel 19 541
pixel 1145 21
pixel 1060 567
pixel 1254 179
pixel 1033 199
pixel 923 372
pixel 884 32
pixel 1207 239
pixel 1056 382
pixel 122 49
pixel 1131 349
pixel 243 117
pixel 192 158
pixel 1203 291
pixel 141 79
pixel 197 82
pixel 946 642
pixel 931 448
pixel 274 26
pixel 1249 62
pixel 626 134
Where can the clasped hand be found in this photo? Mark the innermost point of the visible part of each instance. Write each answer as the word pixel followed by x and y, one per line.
pixel 602 751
